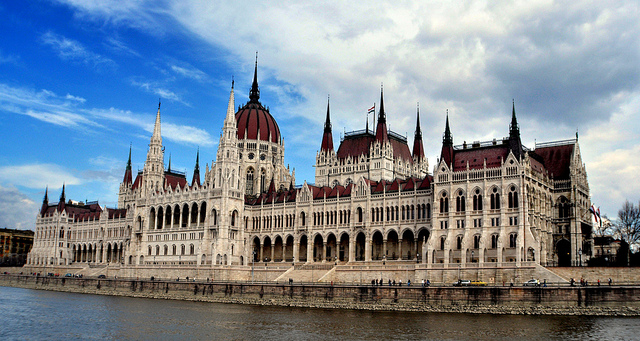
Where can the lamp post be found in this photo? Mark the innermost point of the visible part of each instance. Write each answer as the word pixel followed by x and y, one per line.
pixel 580 255
pixel 472 254
pixel 253 259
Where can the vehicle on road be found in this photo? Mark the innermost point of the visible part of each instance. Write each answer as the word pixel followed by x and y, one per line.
pixel 478 284
pixel 462 283
pixel 102 276
pixel 532 283
pixel 68 275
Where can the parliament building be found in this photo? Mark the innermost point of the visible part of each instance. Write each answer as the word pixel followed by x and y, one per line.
pixel 374 203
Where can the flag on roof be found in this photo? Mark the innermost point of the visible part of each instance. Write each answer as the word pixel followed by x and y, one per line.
pixel 372 109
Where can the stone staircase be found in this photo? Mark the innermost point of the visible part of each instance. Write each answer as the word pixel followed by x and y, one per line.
pixel 306 273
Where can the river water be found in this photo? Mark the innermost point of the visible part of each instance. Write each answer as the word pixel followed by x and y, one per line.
pixel 46 315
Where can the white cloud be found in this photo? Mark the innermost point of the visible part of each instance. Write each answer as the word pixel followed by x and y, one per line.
pixel 120 47
pixel 189 72
pixel 158 90
pixel 70 49
pixel 17 211
pixel 38 176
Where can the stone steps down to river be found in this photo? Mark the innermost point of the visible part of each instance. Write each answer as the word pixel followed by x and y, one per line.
pixel 306 273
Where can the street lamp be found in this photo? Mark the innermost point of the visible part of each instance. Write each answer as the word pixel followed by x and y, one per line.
pixel 472 254
pixel 253 260
pixel 384 260
pixel 580 254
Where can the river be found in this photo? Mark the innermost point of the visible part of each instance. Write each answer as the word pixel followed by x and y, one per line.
pixel 46 315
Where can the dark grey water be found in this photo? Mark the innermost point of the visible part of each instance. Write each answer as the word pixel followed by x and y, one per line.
pixel 43 315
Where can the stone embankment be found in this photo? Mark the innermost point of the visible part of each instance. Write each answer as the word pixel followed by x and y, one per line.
pixel 565 300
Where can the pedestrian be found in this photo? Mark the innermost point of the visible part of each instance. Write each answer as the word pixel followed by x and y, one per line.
pixel 610 281
pixel 423 282
pixel 390 282
pixel 400 282
pixel 408 282
pixel 428 283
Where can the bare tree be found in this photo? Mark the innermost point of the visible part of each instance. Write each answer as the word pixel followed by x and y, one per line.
pixel 628 223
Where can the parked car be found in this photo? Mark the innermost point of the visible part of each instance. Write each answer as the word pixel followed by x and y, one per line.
pixel 478 283
pixel 462 283
pixel 68 275
pixel 102 276
pixel 532 283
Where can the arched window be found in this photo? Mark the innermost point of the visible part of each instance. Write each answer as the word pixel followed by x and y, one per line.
pixel 494 241
pixel 174 249
pixel 512 240
pixel 166 250
pixel 476 241
pixel 442 243
pixel 359 209
pixel 459 243
pixel 302 218
pixel 182 249
pixel 513 197
pixel 495 199
pixel 444 203
pixel 149 250
pixel 249 189
pixel 477 200
pixel 192 249
pixel 263 180
pixel 460 205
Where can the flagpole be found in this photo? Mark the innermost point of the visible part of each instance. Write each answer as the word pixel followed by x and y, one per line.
pixel 374 117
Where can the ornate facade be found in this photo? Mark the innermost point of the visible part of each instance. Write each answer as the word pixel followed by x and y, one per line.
pixel 494 203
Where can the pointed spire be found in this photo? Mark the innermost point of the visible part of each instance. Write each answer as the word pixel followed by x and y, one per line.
pixel 327 137
pixel 515 144
pixel 418 148
pixel 381 128
pixel 156 127
pixel 254 94
pixel 45 202
pixel 196 170
pixel 127 173
pixel 447 144
pixel 448 138
pixel 231 114
pixel 169 168
pixel 514 130
pixel 272 186
pixel 61 203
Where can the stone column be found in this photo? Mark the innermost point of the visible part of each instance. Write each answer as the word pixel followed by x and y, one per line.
pixel 367 249
pixel 352 249
pixel 324 251
pixel 399 249
pixel 310 247
pixel 384 248
pixel 273 252
pixel 261 252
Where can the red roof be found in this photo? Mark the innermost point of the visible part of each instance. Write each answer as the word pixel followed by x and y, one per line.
pixel 254 119
pixel 557 160
pixel 476 156
pixel 359 144
pixel 173 180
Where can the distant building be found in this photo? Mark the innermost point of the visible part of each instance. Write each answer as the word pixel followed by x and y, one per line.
pixel 495 203
pixel 14 246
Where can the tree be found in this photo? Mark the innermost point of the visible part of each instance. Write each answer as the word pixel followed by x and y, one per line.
pixel 627 225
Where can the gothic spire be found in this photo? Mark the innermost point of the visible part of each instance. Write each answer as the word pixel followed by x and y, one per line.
pixel 515 144
pixel 514 130
pixel 447 140
pixel 169 168
pixel 156 127
pixel 61 203
pixel 127 173
pixel 45 202
pixel 254 94
pixel 418 148
pixel 231 114
pixel 196 170
pixel 327 137
pixel 446 154
pixel 381 128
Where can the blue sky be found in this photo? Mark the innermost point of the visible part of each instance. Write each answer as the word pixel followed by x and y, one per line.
pixel 80 83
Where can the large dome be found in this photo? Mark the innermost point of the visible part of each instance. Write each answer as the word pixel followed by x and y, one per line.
pixel 256 123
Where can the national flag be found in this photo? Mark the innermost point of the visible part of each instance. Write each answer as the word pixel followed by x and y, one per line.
pixel 598 214
pixel 595 212
pixel 371 110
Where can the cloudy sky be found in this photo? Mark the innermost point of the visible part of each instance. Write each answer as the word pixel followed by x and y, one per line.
pixel 80 82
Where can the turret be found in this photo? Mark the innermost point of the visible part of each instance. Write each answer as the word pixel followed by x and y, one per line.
pixel 254 94
pixel 196 171
pixel 447 144
pixel 381 128
pixel 153 173
pixel 418 148
pixel 127 173
pixel 45 202
pixel 515 144
pixel 327 137
pixel 61 203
